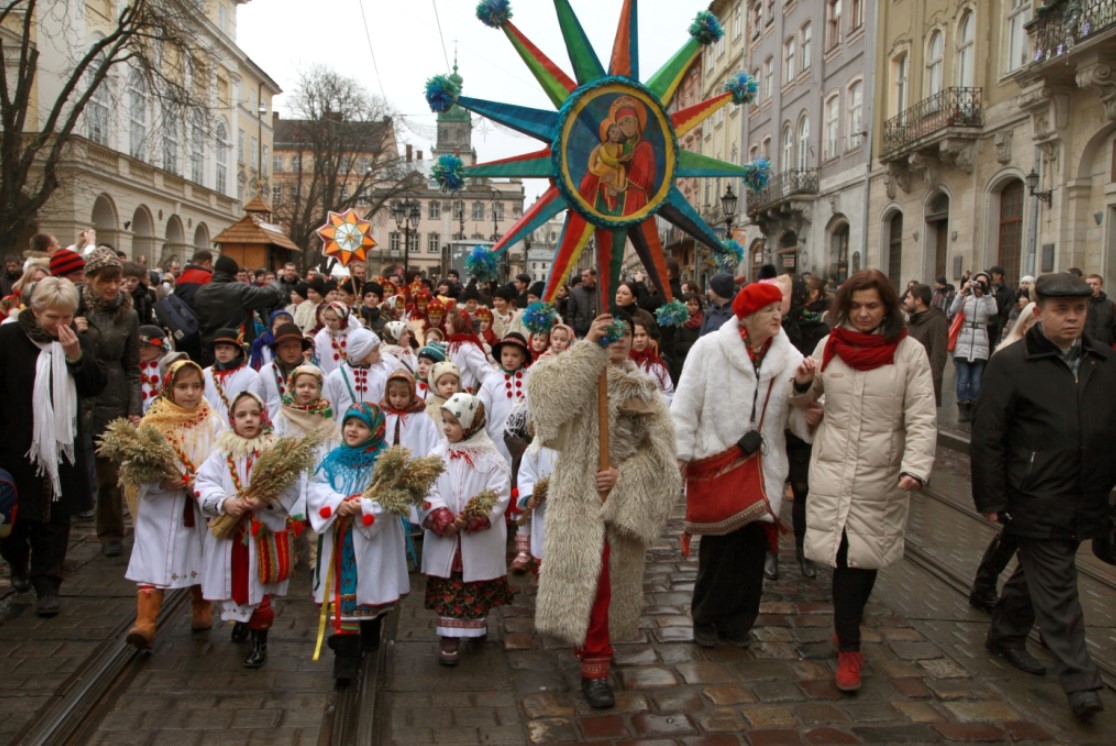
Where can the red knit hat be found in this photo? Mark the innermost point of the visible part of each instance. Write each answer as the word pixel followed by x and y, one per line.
pixel 752 298
pixel 64 262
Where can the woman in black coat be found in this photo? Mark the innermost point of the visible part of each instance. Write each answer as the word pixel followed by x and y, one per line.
pixel 49 471
pixel 106 318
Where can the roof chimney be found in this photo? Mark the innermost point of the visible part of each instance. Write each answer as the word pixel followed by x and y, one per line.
pixel 410 153
pixel 418 155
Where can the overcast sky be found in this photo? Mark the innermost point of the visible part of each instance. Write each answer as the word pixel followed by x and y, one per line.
pixel 285 36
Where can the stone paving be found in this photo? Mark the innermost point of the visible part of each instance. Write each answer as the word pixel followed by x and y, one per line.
pixel 927 678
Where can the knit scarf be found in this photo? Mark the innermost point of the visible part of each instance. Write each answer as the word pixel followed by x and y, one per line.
pixel 117 307
pixel 694 322
pixel 756 356
pixel 349 468
pixel 54 425
pixel 860 351
pixel 455 341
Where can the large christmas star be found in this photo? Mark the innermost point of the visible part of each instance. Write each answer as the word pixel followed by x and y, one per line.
pixel 346 236
pixel 612 153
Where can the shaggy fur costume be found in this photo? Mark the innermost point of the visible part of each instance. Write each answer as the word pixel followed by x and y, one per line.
pixel 562 391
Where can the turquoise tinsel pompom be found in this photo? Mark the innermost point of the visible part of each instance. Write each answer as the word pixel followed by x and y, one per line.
pixel 539 318
pixel 729 256
pixel 706 28
pixel 757 174
pixel 441 93
pixel 494 13
pixel 449 172
pixel 614 333
pixel 481 264
pixel 743 88
pixel 674 313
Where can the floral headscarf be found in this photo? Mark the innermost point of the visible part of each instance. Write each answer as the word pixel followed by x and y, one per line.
pixel 469 411
pixel 265 417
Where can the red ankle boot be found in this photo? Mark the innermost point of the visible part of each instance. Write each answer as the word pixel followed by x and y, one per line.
pixel 848 670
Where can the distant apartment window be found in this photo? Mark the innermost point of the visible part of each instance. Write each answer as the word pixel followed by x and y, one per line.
pixel 478 211
pixel 222 18
pixel 277 164
pixel 197 153
pixel 266 158
pixel 856 113
pixel 433 242
pixel 721 46
pixel 856 14
pixel 394 242
pixel 769 14
pixel 170 141
pixel 787 156
pixel 935 63
pixel 807 45
pixel 765 149
pixel 137 115
pixel 296 163
pixel 757 18
pixel 899 65
pixel 1019 12
pixel 240 146
pixel 254 156
pixel 804 144
pixel 832 126
pixel 832 23
pixel 768 77
pixel 756 77
pixel 276 196
pixel 498 207
pixel 222 157
pixel 790 60
pixel 737 21
pixel 434 211
pixel 966 52
pixel 753 153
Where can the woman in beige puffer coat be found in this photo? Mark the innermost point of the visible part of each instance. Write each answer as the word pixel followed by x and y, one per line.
pixel 874 445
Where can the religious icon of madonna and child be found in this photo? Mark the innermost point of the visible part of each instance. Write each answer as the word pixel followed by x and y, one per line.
pixel 621 175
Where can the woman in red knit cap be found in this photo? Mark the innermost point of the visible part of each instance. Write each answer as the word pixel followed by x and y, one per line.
pixel 732 400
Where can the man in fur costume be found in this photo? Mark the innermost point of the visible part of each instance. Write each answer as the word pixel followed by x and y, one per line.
pixel 592 588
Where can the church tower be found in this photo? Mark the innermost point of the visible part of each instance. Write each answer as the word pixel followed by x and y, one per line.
pixel 455 129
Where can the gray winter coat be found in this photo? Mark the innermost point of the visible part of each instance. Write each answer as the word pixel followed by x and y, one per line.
pixel 972 342
pixel 582 309
pixel 114 337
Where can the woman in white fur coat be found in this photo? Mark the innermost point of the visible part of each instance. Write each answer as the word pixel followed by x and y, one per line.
pixel 736 380
pixel 232 565
pixel 591 591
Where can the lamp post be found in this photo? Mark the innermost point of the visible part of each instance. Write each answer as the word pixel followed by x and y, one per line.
pixel 728 209
pixel 407 215
pixel 1032 180
pixel 261 110
pixel 496 232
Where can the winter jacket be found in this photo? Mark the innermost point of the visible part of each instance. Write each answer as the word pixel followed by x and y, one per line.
pixel 17 406
pixel 1005 298
pixel 932 329
pixel 562 390
pixel 1100 323
pixel 1042 439
pixel 973 341
pixel 878 424
pixel 143 301
pixel 224 302
pixel 114 338
pixel 192 278
pixel 712 408
pixel 582 309
pixel 684 340
pixel 715 317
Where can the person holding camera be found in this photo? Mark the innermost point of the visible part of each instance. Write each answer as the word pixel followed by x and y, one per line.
pixel 875 445
pixel 974 346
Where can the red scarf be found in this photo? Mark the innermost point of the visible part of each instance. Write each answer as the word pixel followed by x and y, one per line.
pixel 860 351
pixel 645 359
pixel 694 322
pixel 454 341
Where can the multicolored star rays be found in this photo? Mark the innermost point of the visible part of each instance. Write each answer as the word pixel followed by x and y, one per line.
pixel 612 153
pixel 346 237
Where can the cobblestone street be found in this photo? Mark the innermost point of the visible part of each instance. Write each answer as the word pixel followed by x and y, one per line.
pixel 927 678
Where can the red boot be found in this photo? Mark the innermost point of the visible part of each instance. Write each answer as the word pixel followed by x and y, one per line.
pixel 848 670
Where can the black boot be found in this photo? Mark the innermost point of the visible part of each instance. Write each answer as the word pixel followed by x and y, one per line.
pixel 46 588
pixel 964 412
pixel 598 693
pixel 771 566
pixel 996 558
pixel 346 657
pixel 239 632
pixel 257 653
pixel 370 636
pixel 809 570
pixel 21 581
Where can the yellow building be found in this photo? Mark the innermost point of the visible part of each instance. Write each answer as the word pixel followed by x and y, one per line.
pixel 952 145
pixel 157 183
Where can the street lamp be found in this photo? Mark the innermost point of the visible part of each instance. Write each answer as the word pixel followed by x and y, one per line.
pixel 459 208
pixel 496 233
pixel 407 214
pixel 728 209
pixel 261 110
pixel 1032 185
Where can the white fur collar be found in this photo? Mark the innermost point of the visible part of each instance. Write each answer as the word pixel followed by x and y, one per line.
pixel 237 447
pixel 729 340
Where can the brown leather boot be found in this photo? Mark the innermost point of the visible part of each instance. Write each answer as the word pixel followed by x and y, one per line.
pixel 522 561
pixel 142 633
pixel 201 611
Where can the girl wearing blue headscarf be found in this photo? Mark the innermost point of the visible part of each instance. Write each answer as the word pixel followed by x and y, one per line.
pixel 361 546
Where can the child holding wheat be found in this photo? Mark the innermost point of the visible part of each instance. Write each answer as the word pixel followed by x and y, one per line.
pixel 464 546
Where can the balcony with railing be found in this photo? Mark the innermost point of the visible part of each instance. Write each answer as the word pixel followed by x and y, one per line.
pixel 950 113
pixel 1062 26
pixel 782 187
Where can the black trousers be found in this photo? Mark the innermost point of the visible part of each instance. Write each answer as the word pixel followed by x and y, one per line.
pixel 1043 589
pixel 730 580
pixel 39 548
pixel 851 588
pixel 798 455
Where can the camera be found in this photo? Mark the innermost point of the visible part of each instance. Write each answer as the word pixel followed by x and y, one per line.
pixel 750 442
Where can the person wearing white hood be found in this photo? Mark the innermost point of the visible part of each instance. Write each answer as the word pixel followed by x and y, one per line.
pixel 332 342
pixel 363 375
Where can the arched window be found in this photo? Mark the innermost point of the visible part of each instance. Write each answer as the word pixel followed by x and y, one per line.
pixel 170 140
pixel 899 73
pixel 803 143
pixel 935 63
pixel 97 110
pixel 966 50
pixel 197 151
pixel 786 158
pixel 137 114
pixel 895 248
pixel 839 252
pixel 807 45
pixel 222 155
pixel 832 125
pixel 856 113
pixel 1011 229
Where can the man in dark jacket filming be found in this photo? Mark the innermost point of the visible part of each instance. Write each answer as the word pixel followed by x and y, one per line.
pixel 224 302
pixel 1041 465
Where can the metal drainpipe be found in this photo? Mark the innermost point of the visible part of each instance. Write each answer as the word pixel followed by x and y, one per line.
pixel 1036 207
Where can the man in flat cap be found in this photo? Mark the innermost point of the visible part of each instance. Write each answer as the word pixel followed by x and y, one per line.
pixel 1041 465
